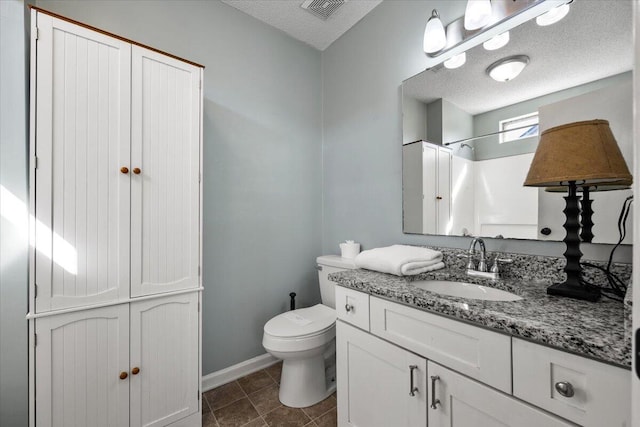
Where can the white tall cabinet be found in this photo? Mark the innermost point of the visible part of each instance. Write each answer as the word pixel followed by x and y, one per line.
pixel 115 203
pixel 426 188
pixel 436 187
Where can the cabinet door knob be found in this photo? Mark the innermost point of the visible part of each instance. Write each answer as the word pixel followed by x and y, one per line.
pixel 123 375
pixel 124 169
pixel 438 197
pixel 565 388
pixel 348 307
pixel 135 370
pixel 137 171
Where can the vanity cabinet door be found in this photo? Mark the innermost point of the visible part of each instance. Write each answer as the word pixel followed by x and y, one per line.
pixel 352 307
pixel 576 388
pixel 374 382
pixel 462 402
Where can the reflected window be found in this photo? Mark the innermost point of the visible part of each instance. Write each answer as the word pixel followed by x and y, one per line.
pixel 519 127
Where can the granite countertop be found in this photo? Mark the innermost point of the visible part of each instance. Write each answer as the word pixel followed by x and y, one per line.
pixel 598 330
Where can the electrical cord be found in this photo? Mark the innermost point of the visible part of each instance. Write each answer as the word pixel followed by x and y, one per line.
pixel 617 288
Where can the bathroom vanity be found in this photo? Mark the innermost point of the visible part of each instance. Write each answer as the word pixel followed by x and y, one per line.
pixel 410 357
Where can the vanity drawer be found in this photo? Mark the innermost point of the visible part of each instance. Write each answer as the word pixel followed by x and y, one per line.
pixel 353 307
pixel 472 351
pixel 601 392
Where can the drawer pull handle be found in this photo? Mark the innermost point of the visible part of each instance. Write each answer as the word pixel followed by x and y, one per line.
pixel 412 388
pixel 565 388
pixel 434 402
pixel 348 307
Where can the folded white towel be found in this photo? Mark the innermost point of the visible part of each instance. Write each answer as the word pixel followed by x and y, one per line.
pixel 401 260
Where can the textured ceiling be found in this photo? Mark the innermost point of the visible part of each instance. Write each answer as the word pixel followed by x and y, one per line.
pixel 592 42
pixel 288 16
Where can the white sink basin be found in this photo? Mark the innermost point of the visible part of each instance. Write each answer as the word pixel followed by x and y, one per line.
pixel 465 290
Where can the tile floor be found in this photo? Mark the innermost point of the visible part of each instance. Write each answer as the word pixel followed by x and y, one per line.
pixel 252 401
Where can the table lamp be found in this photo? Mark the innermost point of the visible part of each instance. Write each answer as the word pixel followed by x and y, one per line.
pixel 576 154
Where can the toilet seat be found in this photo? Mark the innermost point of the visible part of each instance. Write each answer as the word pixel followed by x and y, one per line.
pixel 301 329
pixel 302 322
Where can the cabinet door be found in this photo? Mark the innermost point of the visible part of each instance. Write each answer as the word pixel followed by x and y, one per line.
pixel 165 163
pixel 79 359
pixel 463 402
pixel 164 347
pixel 82 140
pixel 596 387
pixel 374 381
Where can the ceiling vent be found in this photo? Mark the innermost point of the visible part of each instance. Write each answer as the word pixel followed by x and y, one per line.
pixel 322 8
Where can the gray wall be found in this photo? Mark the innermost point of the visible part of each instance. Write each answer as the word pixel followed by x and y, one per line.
pixel 435 121
pixel 262 159
pixel 457 124
pixel 362 176
pixel 415 120
pixel 14 201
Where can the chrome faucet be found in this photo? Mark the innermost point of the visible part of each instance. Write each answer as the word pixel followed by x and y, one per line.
pixel 482 264
pixel 481 269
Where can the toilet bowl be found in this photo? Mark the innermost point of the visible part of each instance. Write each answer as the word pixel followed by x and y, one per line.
pixel 305 341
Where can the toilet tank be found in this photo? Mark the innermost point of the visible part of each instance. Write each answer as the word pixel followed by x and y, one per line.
pixel 328 264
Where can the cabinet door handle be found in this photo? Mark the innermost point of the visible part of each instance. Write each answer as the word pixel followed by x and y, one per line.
pixel 124 169
pixel 137 171
pixel 412 388
pixel 565 388
pixel 123 375
pixel 348 307
pixel 135 370
pixel 434 402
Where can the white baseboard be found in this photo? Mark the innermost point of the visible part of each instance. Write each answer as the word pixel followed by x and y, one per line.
pixel 223 376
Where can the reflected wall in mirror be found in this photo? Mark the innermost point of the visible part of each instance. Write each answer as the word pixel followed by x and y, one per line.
pixel 468 140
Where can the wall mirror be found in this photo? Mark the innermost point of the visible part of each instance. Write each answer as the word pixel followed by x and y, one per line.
pixel 468 140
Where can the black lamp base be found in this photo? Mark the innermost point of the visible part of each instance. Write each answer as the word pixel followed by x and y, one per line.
pixel 573 286
pixel 565 289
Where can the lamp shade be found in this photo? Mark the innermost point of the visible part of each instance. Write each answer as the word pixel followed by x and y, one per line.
pixel 585 152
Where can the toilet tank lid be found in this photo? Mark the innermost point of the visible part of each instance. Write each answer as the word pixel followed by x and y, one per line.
pixel 336 261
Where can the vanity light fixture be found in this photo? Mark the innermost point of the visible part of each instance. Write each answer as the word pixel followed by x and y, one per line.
pixel 552 16
pixel 485 22
pixel 507 68
pixel 572 155
pixel 456 61
pixel 435 38
pixel 497 42
pixel 477 14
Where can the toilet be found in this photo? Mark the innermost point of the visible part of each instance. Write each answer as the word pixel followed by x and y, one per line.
pixel 305 341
